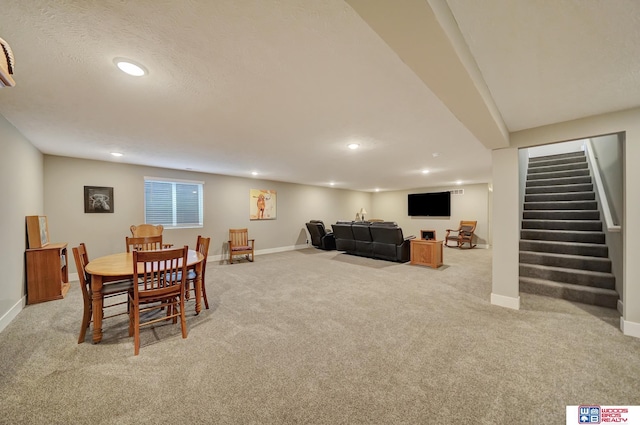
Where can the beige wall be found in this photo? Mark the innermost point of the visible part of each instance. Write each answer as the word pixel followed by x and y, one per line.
pixel 472 205
pixel 22 194
pixel 226 205
pixel 625 121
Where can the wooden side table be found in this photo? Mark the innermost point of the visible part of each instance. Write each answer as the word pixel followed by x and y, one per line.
pixel 47 273
pixel 426 252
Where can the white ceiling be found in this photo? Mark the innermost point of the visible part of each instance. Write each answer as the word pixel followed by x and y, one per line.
pixel 282 86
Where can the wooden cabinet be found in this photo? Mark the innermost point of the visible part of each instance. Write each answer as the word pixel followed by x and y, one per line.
pixel 47 273
pixel 426 252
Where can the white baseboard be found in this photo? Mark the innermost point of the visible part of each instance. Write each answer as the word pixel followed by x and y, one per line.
pixel 503 301
pixel 225 256
pixel 630 328
pixel 12 313
pixel 73 277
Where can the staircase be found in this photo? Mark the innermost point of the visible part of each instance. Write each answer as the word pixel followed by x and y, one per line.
pixel 563 253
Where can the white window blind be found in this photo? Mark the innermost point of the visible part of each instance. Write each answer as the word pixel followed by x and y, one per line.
pixel 173 203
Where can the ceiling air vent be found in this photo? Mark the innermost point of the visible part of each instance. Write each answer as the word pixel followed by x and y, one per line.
pixel 457 192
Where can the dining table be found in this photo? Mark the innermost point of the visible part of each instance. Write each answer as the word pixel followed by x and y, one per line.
pixel 119 266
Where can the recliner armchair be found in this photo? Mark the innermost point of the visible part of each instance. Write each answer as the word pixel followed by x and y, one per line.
pixel 320 238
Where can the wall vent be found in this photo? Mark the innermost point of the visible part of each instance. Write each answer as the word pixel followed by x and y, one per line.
pixel 457 192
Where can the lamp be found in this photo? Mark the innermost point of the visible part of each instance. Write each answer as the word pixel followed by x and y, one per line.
pixel 362 213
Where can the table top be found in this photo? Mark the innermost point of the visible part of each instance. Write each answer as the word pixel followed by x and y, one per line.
pixel 121 264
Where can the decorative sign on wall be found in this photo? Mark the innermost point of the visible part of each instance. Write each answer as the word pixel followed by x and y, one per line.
pixel 98 199
pixel 262 204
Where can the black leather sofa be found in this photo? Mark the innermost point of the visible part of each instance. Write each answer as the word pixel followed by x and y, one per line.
pixel 320 238
pixel 383 240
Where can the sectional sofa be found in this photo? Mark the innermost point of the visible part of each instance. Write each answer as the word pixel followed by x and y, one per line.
pixel 382 240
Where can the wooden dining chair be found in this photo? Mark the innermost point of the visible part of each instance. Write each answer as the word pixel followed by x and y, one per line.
pixel 144 243
pixel 109 290
pixel 161 276
pixel 202 246
pixel 240 244
pixel 145 230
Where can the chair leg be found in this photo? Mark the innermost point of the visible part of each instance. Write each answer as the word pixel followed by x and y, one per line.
pixel 183 319
pixel 86 319
pixel 136 330
pixel 204 295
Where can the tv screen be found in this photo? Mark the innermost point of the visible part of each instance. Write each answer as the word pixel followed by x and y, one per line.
pixel 433 204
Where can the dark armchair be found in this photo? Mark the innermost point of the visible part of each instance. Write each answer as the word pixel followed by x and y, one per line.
pixel 320 238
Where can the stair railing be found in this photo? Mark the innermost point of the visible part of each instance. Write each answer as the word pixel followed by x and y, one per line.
pixel 600 188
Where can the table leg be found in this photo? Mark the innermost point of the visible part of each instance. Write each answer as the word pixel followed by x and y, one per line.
pixel 96 308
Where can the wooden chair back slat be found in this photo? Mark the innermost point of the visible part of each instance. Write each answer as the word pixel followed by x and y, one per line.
pixel 145 243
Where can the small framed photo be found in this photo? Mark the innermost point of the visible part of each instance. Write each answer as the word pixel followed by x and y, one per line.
pixel 98 199
pixel 428 235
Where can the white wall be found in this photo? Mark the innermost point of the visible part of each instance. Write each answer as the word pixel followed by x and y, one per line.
pixel 556 148
pixel 22 194
pixel 505 287
pixel 472 205
pixel 609 151
pixel 226 205
pixel 627 122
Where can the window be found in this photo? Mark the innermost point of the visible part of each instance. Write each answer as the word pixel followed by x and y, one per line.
pixel 173 203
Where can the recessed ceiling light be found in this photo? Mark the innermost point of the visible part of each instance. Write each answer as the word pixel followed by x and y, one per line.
pixel 435 154
pixel 116 154
pixel 332 184
pixel 254 173
pixel 353 146
pixel 129 67
pixel 377 189
pixel 425 171
pixel 459 182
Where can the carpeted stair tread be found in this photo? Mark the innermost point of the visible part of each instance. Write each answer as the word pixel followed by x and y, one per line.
pixel 560 196
pixel 558 174
pixel 580 187
pixel 596 264
pixel 575 276
pixel 562 205
pixel 563 236
pixel 561 214
pixel 577 293
pixel 558 247
pixel 558 167
pixel 558 182
pixel 576 225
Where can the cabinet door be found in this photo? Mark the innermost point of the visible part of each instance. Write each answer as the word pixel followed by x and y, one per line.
pixel 46 274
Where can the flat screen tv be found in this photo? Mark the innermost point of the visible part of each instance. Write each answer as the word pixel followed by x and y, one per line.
pixel 433 204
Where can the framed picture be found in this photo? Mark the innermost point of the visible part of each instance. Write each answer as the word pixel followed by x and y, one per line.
pixel 37 231
pixel 98 199
pixel 429 235
pixel 262 204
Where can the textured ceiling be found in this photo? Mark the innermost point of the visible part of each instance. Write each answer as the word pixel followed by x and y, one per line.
pixel 548 61
pixel 282 86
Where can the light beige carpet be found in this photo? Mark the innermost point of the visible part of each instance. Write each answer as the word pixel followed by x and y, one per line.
pixel 316 337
